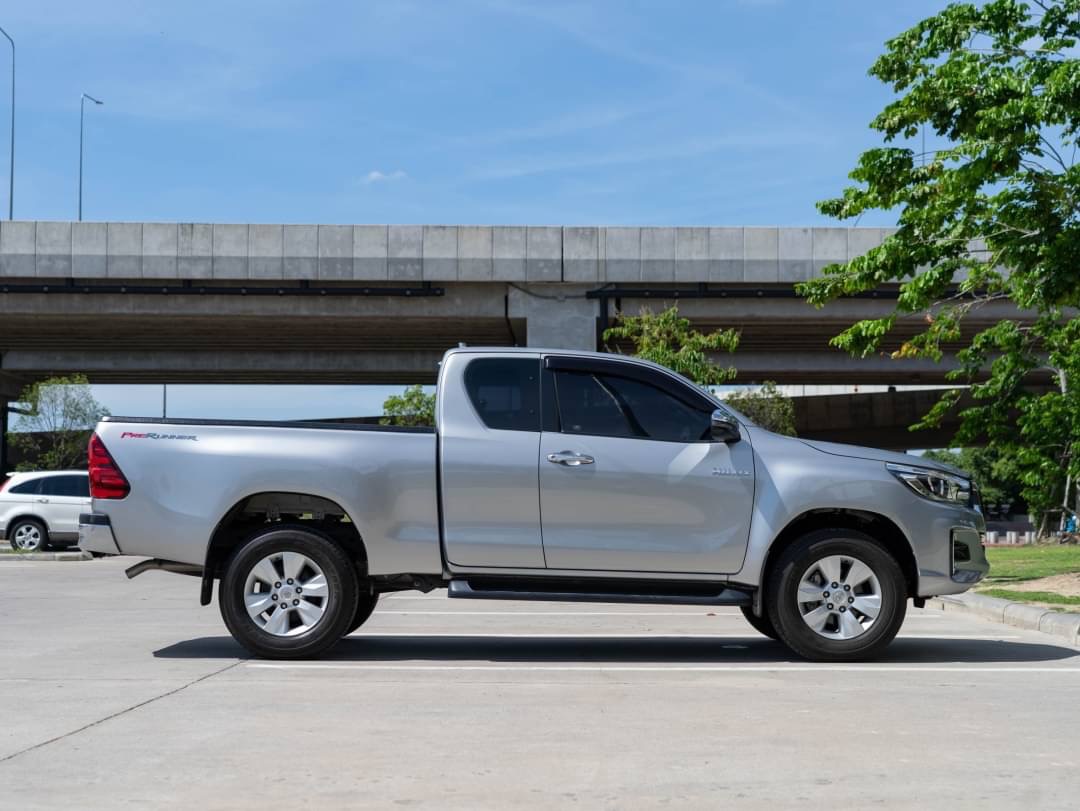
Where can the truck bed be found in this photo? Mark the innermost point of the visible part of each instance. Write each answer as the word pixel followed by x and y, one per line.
pixel 188 473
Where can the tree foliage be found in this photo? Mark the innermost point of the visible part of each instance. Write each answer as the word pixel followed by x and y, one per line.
pixel 767 406
pixel 55 432
pixel 990 216
pixel 668 339
pixel 412 408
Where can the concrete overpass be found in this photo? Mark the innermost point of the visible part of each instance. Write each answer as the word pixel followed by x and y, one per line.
pixel 195 302
pixel 262 303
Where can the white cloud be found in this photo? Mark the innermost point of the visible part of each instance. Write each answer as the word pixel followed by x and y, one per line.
pixel 375 176
pixel 662 151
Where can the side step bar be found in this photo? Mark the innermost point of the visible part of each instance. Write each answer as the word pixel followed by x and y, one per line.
pixel 607 591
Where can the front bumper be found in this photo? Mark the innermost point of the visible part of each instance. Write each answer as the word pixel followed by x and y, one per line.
pixel 969 563
pixel 96 535
pixel 960 562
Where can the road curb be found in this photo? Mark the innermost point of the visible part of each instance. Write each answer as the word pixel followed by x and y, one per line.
pixel 1020 615
pixel 61 556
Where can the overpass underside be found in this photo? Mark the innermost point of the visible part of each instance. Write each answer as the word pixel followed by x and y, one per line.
pixel 347 337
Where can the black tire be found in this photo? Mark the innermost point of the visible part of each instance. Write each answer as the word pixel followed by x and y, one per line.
pixel 783 604
pixel 31 523
pixel 763 625
pixel 341 599
pixel 365 606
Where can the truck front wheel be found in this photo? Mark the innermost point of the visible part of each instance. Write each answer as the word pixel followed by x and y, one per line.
pixel 836 595
pixel 763 625
pixel 289 593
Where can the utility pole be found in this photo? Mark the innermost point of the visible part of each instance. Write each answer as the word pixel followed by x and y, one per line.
pixel 11 167
pixel 1065 508
pixel 82 115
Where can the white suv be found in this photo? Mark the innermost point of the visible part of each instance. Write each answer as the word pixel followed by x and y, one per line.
pixel 38 510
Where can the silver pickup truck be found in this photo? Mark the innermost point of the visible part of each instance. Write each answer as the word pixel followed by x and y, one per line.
pixel 550 475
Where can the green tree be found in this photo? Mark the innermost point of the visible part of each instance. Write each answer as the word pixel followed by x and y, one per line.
pixel 412 408
pixel 767 406
pixel 998 84
pixel 667 338
pixel 61 413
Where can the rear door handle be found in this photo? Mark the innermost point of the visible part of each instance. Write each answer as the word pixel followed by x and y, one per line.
pixel 570 458
pixel 43 501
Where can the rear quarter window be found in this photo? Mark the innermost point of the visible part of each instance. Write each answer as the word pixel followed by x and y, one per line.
pixel 27 488
pixel 505 392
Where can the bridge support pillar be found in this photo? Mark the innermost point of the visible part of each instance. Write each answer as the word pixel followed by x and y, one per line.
pixel 557 316
pixel 3 439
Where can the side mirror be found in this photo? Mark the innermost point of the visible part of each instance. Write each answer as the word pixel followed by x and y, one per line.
pixel 724 428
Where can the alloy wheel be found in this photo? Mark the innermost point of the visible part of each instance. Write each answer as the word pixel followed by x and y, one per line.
pixel 27 537
pixel 286 594
pixel 839 597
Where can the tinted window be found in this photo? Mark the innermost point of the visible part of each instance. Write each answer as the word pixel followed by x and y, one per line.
pixel 26 488
pixel 608 405
pixel 659 414
pixel 586 406
pixel 505 392
pixel 75 486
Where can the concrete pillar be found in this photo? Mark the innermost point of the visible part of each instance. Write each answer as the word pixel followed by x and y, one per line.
pixel 557 316
pixel 3 439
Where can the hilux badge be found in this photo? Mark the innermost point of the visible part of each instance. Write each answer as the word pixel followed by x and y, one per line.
pixel 729 471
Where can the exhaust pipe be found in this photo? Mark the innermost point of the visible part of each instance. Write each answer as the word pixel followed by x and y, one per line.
pixel 166 565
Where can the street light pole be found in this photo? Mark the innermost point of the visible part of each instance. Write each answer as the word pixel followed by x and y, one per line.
pixel 82 115
pixel 11 168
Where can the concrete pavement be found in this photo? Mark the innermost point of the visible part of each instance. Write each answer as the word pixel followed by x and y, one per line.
pixel 128 694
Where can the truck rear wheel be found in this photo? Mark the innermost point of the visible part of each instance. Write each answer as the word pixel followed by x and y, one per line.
pixel 288 593
pixel 837 595
pixel 365 606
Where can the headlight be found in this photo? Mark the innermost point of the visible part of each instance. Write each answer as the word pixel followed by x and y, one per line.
pixel 935 485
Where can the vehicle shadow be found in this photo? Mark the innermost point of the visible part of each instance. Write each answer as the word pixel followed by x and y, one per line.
pixel 670 649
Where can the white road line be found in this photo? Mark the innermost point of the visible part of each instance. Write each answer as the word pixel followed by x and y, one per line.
pixel 556 613
pixel 702 613
pixel 656 636
pixel 776 668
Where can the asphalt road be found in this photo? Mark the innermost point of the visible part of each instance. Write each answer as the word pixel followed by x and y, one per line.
pixel 121 694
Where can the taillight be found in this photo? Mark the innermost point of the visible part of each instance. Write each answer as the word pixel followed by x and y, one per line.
pixel 106 479
pixel 5 484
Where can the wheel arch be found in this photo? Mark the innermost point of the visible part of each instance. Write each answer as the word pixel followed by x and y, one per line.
pixel 874 524
pixel 265 509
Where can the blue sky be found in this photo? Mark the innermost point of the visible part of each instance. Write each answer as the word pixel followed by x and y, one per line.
pixel 737 112
pixel 455 111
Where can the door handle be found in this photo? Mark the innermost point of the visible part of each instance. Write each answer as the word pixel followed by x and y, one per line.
pixel 570 458
pixel 43 501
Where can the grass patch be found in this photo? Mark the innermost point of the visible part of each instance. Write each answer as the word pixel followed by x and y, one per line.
pixel 1013 564
pixel 1031 596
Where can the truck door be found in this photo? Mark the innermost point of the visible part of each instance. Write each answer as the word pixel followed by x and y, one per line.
pixel 631 480
pixel 489 441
